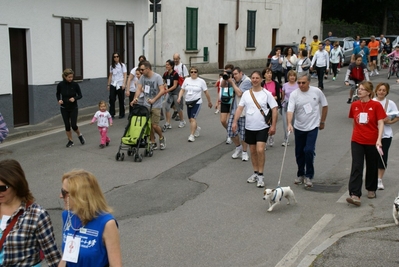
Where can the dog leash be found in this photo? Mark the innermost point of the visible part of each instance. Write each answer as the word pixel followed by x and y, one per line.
pixel 379 149
pixel 282 163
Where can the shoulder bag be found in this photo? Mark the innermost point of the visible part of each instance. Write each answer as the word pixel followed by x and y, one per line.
pixel 268 117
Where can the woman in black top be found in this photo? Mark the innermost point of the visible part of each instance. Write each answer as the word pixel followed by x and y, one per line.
pixel 68 92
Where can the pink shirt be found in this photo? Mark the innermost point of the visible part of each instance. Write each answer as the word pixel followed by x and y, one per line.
pixel 271 87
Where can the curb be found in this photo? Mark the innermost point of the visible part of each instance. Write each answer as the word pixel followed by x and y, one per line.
pixel 311 256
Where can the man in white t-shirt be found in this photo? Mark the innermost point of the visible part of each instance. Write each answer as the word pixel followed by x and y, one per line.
pixel 305 104
pixel 181 69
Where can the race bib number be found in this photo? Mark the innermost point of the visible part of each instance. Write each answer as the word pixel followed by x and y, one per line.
pixel 363 117
pixel 146 89
pixel 71 250
pixel 307 108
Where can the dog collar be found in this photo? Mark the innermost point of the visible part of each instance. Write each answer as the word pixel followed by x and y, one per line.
pixel 275 193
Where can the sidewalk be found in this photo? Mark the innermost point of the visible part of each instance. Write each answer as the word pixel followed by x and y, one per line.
pixel 372 246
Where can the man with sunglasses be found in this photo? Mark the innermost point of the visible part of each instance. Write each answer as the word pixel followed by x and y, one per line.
pixel 305 104
pixel 151 84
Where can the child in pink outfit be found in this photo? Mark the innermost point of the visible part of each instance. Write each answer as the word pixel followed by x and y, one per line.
pixel 104 120
pixel 395 54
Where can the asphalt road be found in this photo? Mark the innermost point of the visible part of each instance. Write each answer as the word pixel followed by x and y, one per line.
pixel 190 205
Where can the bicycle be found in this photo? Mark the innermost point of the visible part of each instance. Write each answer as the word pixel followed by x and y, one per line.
pixel 384 61
pixel 393 67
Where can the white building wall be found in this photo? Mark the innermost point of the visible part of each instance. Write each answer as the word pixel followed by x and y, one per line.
pixel 292 19
pixel 45 34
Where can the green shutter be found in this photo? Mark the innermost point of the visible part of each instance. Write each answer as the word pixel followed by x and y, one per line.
pixel 251 24
pixel 192 29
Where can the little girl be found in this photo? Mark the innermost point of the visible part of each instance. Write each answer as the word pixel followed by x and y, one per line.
pixel 103 117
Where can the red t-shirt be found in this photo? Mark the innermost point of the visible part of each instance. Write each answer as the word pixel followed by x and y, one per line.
pixel 366 133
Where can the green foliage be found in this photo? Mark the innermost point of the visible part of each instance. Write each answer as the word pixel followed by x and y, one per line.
pixel 336 21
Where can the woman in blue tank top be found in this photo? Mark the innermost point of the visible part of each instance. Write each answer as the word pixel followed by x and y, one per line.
pixel 90 234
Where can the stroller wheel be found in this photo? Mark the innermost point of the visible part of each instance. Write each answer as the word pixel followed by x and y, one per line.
pixel 150 153
pixel 117 156
pixel 129 152
pixel 122 156
pixel 140 158
pixel 145 153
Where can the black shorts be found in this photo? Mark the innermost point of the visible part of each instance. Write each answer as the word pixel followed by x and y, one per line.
pixel 252 137
pixel 225 108
pixel 373 58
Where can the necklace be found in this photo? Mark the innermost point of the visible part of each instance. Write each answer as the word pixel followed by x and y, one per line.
pixel 69 224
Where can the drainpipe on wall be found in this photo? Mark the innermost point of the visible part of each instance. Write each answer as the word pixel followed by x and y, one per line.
pixel 237 14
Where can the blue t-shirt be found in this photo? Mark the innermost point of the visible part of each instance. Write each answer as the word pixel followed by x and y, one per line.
pixel 363 52
pixel 92 249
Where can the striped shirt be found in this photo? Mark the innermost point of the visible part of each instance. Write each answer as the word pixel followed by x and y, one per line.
pixel 31 233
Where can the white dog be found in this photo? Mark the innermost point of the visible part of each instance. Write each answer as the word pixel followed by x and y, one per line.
pixel 275 195
pixel 395 210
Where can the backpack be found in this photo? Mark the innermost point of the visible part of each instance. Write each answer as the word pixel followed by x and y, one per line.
pixel 181 78
pixel 226 95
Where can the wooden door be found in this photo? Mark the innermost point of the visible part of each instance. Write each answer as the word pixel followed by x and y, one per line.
pixel 19 76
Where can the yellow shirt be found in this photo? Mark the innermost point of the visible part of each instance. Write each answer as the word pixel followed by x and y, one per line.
pixel 314 46
pixel 302 46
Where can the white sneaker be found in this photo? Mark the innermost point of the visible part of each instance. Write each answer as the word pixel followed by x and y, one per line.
pixel 380 185
pixel 253 178
pixel 376 72
pixel 228 141
pixel 237 152
pixel 299 180
pixel 197 131
pixel 271 140
pixel 244 156
pixel 182 124
pixel 308 182
pixel 285 144
pixel 191 138
pixel 371 74
pixel 260 182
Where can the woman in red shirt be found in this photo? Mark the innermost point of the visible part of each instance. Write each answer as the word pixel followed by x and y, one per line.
pixel 368 125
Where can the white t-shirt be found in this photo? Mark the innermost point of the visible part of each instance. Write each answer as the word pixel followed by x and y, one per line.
pixel 306 108
pixel 117 75
pixel 254 120
pixel 134 80
pixel 102 118
pixel 194 88
pixel 181 69
pixel 392 108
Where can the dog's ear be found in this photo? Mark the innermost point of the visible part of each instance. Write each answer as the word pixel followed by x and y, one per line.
pixel 273 190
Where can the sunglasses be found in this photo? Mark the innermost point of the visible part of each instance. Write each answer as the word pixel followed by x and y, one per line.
pixel 3 188
pixel 193 71
pixel 64 193
pixel 301 83
pixel 116 56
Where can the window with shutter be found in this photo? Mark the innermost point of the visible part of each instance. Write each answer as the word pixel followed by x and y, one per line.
pixel 72 47
pixel 251 23
pixel 191 28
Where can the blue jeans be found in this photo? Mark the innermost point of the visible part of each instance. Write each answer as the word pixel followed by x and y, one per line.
pixel 305 145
